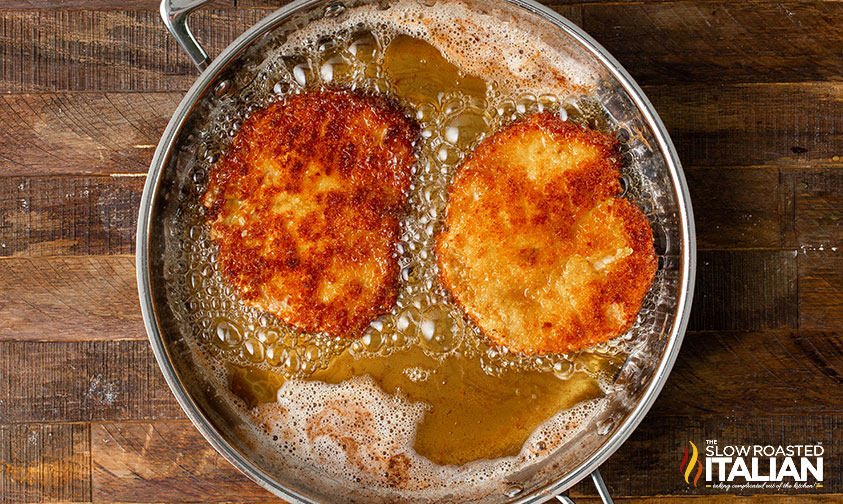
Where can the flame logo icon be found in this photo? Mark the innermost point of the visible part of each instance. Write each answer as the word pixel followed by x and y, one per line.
pixel 687 466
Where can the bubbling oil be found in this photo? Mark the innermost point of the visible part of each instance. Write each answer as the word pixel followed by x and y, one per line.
pixel 478 401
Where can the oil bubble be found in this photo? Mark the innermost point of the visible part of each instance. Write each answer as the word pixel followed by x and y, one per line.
pixel 222 88
pixel 311 353
pixel 200 176
pixel 513 490
pixel 439 330
pixel 302 73
pixel 371 341
pixel 253 350
pixel 281 88
pixel 276 355
pixel 292 361
pixel 463 130
pixel 228 335
pixel 605 426
pixel 267 336
pixel 408 319
pixel 363 47
pixel 334 10
pixel 335 67
pixel 563 369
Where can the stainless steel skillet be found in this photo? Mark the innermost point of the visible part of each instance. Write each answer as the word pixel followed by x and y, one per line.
pixel 652 157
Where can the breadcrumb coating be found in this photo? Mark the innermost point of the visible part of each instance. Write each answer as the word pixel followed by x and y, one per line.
pixel 305 206
pixel 537 247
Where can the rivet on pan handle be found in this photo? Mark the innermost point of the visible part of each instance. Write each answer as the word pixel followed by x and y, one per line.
pixel 175 14
pixel 602 491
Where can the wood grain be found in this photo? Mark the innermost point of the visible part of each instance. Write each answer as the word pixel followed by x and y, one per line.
pixel 821 289
pixel 125 50
pixel 818 202
pixel 269 4
pixel 745 291
pixel 726 218
pixel 121 4
pixel 45 463
pixel 69 298
pixel 715 42
pixel 753 124
pixel 712 126
pixel 82 381
pixel 103 133
pixel 754 373
pixel 49 216
pixel 712 42
pixel 163 461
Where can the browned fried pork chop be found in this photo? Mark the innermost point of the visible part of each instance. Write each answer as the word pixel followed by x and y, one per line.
pixel 304 208
pixel 537 247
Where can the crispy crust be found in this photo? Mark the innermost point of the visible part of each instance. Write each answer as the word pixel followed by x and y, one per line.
pixel 537 248
pixel 304 208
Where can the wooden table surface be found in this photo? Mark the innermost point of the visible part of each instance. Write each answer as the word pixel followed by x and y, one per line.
pixel 751 92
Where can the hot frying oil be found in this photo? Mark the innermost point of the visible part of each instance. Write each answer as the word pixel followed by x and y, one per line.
pixel 482 401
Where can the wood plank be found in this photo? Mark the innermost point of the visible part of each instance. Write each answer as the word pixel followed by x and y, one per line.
pixel 715 42
pixel 742 373
pixel 745 291
pixel 648 463
pixel 69 298
pixel 745 218
pixel 163 462
pixel 103 133
pixel 82 381
pixel 712 126
pixel 127 50
pixel 737 208
pixel 153 4
pixel 118 4
pixel 818 207
pixel 821 289
pixel 49 216
pixel 757 124
pixel 77 4
pixel 45 463
pixel 268 4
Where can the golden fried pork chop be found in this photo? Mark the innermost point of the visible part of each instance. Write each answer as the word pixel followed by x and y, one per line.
pixel 305 205
pixel 537 247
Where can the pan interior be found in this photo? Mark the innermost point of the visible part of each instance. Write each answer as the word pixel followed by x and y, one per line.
pixel 231 358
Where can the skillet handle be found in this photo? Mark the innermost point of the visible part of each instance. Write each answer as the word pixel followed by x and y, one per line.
pixel 602 491
pixel 175 14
